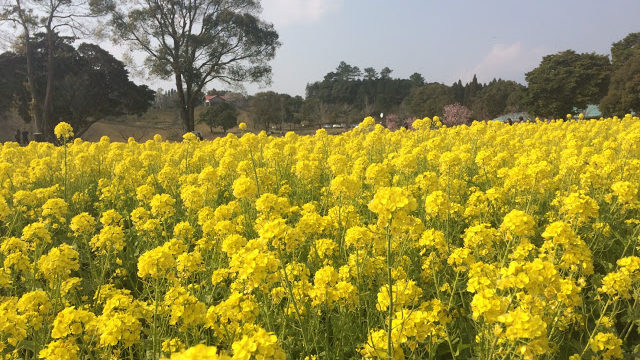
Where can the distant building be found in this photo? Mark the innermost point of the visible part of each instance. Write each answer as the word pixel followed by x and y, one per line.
pixel 591 112
pixel 213 99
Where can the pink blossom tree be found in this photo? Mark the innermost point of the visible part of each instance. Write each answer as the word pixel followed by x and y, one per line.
pixel 392 122
pixel 395 122
pixel 456 114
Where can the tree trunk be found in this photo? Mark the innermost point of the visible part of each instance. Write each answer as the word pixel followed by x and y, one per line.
pixel 48 97
pixel 191 114
pixel 190 101
pixel 185 105
pixel 36 110
pixel 36 107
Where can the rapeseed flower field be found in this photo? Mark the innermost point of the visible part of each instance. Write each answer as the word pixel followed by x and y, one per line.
pixel 486 241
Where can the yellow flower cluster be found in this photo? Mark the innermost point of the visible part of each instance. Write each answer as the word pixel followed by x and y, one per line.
pixel 63 131
pixel 486 241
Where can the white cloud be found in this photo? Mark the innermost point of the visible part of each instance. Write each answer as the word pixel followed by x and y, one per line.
pixel 506 61
pixel 288 12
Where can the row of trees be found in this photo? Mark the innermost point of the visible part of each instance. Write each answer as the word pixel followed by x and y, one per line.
pixel 563 83
pixel 265 110
pixel 347 94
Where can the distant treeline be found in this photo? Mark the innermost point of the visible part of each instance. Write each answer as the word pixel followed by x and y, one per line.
pixel 563 83
pixel 346 96
pixel 347 93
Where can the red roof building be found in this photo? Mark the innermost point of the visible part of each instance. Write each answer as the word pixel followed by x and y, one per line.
pixel 212 99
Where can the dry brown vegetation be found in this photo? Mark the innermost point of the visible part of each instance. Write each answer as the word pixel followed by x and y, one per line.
pixel 142 128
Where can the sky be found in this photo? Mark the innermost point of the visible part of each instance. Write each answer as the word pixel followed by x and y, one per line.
pixel 443 40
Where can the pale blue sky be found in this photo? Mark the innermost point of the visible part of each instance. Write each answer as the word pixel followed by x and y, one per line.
pixel 442 40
